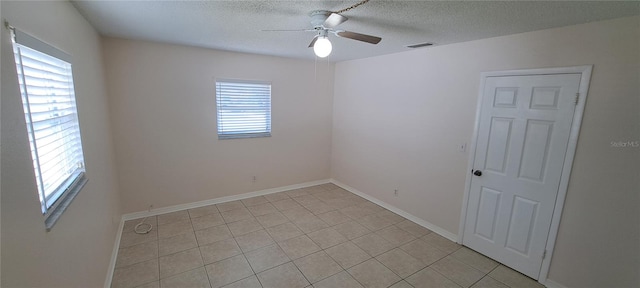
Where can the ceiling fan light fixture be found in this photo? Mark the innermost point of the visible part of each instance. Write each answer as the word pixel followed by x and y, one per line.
pixel 322 47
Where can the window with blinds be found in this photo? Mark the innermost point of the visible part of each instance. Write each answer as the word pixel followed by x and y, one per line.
pixel 243 109
pixel 46 84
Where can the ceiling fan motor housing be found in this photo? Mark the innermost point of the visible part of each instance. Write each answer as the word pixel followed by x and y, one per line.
pixel 318 17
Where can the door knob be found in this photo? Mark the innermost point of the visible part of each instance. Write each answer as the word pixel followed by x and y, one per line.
pixel 477 173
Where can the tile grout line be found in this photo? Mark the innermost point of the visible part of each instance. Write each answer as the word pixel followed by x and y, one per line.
pixel 158 239
pixel 354 278
pixel 198 246
pixel 243 256
pixel 451 254
pixel 298 268
pixel 499 264
pixel 385 266
pixel 487 275
pixel 483 276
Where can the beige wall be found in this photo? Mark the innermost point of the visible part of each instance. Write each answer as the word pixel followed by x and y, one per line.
pixel 77 251
pixel 398 118
pixel 162 99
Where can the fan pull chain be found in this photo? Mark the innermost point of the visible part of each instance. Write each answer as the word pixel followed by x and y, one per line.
pixel 328 64
pixel 352 6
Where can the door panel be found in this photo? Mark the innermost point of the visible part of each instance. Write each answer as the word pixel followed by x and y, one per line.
pixel 487 214
pixel 498 147
pixel 522 138
pixel 545 98
pixel 521 224
pixel 535 151
pixel 505 97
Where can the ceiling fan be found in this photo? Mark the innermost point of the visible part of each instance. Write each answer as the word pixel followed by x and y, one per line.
pixel 324 22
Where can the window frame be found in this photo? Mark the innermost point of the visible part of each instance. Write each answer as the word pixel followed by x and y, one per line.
pixel 53 200
pixel 237 134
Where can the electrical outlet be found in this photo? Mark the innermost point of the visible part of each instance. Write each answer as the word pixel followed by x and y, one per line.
pixel 150 207
pixel 395 192
pixel 254 179
pixel 462 147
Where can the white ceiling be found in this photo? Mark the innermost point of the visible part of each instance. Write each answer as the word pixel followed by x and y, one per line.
pixel 236 25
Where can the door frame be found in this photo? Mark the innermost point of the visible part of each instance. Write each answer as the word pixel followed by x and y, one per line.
pixel 585 71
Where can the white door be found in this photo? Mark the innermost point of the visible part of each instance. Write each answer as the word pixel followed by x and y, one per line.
pixel 523 132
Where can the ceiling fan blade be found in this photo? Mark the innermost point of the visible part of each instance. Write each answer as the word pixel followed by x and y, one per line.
pixel 313 42
pixel 334 20
pixel 359 37
pixel 287 30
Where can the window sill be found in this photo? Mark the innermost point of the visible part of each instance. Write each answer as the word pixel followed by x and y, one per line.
pixel 241 136
pixel 55 212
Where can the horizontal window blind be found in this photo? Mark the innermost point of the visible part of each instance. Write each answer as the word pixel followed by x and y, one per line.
pixel 243 109
pixel 48 97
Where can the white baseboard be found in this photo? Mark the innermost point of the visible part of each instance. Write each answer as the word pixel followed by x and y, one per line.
pixel 442 232
pixel 114 255
pixel 552 284
pixel 174 208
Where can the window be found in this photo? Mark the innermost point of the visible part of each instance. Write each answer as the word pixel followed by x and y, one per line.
pixel 244 109
pixel 48 98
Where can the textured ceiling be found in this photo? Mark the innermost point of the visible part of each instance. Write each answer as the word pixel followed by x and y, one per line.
pixel 236 25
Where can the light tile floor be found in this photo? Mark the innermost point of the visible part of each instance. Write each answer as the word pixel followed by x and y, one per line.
pixel 320 236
